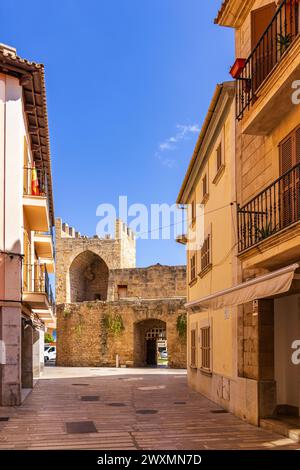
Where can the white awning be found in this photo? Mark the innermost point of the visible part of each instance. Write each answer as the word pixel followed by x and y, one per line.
pixel 268 285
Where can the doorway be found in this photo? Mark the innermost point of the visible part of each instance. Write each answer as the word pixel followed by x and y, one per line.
pixel 287 374
pixel 26 353
pixel 150 343
pixel 151 355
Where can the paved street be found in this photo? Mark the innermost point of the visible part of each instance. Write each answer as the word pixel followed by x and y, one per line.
pixel 125 409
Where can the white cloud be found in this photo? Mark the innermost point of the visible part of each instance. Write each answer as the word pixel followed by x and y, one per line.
pixel 168 162
pixel 166 146
pixel 183 132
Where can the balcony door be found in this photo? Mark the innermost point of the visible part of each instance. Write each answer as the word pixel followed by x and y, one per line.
pixel 290 183
pixel 264 50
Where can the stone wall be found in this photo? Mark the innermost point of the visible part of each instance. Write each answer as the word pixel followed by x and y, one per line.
pixel 149 283
pixel 84 338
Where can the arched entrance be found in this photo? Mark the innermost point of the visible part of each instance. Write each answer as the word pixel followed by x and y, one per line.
pixel 150 343
pixel 88 278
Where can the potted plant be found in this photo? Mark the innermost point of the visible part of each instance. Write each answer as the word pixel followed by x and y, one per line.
pixel 237 68
pixel 284 41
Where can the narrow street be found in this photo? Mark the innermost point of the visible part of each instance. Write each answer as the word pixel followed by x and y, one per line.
pixel 125 409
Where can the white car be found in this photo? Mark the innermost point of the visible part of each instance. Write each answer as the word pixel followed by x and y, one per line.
pixel 49 353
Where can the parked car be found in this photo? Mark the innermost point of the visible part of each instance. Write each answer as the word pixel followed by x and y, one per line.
pixel 49 353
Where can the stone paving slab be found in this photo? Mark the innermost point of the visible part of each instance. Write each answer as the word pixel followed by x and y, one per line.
pixel 40 422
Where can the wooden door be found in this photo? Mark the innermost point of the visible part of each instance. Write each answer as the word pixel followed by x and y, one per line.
pixel 264 56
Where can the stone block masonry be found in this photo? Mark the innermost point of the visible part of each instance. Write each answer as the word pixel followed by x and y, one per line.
pixel 85 339
pixel 108 308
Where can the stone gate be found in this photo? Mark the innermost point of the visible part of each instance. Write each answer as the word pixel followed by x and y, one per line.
pixel 106 307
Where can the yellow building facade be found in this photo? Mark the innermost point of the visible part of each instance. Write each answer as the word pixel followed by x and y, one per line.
pixel 251 299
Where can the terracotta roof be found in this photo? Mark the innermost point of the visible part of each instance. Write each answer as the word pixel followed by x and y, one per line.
pixel 32 79
pixel 221 10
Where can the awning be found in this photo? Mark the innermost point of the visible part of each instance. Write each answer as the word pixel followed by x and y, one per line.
pixel 268 285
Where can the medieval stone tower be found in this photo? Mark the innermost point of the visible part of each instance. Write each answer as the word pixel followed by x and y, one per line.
pixel 83 263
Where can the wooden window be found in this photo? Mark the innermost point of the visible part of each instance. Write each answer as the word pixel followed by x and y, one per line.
pixel 193 358
pixel 206 253
pixel 193 267
pixel 122 292
pixel 219 157
pixel 290 184
pixel 205 348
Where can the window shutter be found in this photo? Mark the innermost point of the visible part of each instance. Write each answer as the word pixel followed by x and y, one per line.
pixel 204 186
pixel 193 348
pixel 219 157
pixel 193 267
pixel 297 174
pixel 286 163
pixel 260 20
pixel 286 155
pixel 297 153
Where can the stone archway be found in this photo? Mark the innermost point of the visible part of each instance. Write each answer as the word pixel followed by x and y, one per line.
pixel 147 334
pixel 88 278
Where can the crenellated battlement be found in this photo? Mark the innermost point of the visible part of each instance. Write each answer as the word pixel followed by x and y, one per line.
pixel 74 250
pixel 122 232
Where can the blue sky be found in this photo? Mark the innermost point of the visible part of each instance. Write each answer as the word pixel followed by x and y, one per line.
pixel 128 86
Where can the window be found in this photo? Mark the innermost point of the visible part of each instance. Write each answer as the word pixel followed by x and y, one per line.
pixel 206 253
pixel 193 210
pixel 122 292
pixel 219 157
pixel 204 186
pixel 205 348
pixel 193 267
pixel 193 357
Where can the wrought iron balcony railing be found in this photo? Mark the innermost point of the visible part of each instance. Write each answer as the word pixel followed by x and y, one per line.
pixel 272 46
pixel 272 210
pixel 34 182
pixel 36 280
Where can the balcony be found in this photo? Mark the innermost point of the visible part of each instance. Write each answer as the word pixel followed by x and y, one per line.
pixel 44 249
pixel 264 86
pixel 37 292
pixel 271 221
pixel 35 199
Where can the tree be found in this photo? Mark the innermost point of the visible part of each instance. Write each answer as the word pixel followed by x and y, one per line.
pixel 49 338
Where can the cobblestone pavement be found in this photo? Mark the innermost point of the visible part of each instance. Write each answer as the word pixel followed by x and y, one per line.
pixel 130 409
